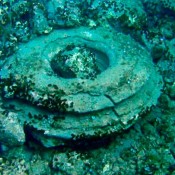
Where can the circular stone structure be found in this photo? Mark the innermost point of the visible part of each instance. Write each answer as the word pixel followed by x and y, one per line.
pixel 79 84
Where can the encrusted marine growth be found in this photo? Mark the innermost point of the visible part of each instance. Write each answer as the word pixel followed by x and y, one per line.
pixel 79 84
pixel 75 61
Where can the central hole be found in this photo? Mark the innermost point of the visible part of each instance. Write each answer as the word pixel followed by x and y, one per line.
pixel 79 62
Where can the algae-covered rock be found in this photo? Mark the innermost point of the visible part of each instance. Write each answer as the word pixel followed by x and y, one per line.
pixel 79 84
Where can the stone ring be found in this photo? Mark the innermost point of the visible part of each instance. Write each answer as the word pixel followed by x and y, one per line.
pixel 79 84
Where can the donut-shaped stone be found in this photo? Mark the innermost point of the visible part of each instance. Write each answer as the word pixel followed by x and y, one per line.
pixel 79 83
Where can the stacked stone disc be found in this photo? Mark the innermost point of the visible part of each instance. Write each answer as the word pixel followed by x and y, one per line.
pixel 79 84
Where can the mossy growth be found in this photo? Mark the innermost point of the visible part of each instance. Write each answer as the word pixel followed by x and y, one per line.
pixel 22 87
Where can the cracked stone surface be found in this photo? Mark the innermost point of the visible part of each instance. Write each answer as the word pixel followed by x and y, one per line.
pixel 119 86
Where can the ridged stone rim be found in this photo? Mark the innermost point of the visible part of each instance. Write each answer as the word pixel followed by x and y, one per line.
pixel 73 108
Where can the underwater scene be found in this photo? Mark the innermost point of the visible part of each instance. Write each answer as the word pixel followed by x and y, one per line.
pixel 87 87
